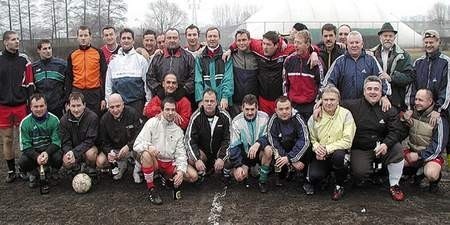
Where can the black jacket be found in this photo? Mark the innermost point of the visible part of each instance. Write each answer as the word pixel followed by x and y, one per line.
pixel 116 133
pixel 372 124
pixel 49 78
pixel 16 78
pixel 78 134
pixel 179 62
pixel 198 135
pixel 328 58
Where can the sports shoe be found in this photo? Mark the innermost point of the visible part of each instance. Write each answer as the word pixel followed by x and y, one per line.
pixel 262 187
pixel 308 188
pixel 137 173
pixel 397 193
pixel 122 169
pixel 337 193
pixel 10 177
pixel 154 197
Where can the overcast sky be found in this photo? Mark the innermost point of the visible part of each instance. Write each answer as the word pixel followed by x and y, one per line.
pixel 400 8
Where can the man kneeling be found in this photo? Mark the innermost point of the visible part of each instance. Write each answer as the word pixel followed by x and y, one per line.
pixel 160 147
pixel 39 142
pixel 425 141
pixel 249 143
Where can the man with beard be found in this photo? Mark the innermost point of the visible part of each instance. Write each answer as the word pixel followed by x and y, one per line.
pixel 183 109
pixel 126 74
pixel 212 72
pixel 173 59
pixel 396 64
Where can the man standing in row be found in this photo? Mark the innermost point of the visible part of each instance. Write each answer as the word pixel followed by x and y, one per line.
pixel 111 47
pixel 15 87
pixel 127 74
pixel 86 72
pixel 49 77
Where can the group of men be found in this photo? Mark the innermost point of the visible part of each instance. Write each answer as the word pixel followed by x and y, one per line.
pixel 267 104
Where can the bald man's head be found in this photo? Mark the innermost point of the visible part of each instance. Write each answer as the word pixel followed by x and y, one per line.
pixel 115 105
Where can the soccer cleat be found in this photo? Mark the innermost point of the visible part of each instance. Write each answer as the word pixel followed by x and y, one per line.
pixel 397 193
pixel 308 188
pixel 154 197
pixel 10 177
pixel 337 193
pixel 262 187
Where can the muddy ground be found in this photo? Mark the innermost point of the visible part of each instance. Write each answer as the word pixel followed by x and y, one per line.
pixel 125 203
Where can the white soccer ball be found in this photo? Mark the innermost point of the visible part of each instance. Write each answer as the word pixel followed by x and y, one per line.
pixel 81 183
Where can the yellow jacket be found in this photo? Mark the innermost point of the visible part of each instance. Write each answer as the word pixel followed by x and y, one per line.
pixel 334 132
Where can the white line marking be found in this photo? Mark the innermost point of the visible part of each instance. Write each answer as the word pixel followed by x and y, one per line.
pixel 216 207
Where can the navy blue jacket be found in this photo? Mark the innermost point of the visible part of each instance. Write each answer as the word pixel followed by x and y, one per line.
pixel 289 138
pixel 348 75
pixel 431 73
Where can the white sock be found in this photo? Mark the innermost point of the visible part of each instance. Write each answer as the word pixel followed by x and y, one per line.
pixel 395 172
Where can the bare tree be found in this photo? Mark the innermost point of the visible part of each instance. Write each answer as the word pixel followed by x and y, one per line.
pixel 232 14
pixel 165 14
pixel 439 13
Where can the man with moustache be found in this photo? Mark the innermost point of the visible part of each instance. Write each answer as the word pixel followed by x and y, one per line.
pixel 329 49
pixel 396 64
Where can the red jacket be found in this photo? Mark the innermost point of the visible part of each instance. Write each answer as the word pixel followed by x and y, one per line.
pixel 183 108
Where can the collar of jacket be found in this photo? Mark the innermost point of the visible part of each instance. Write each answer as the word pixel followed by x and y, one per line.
pixel 10 54
pixel 218 52
pixel 434 55
pixel 173 52
pixel 84 48
pixel 40 119
pixel 73 119
pixel 426 112
pixel 395 48
pixel 132 51
pixel 216 113
pixel 364 100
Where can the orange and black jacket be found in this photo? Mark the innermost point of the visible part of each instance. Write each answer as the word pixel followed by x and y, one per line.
pixel 86 69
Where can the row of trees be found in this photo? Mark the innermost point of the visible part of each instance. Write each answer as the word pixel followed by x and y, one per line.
pixel 57 18
pixel 60 18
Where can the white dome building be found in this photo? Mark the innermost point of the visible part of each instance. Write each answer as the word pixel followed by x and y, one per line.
pixel 364 16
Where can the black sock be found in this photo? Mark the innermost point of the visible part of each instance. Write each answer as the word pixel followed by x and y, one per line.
pixel 11 165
